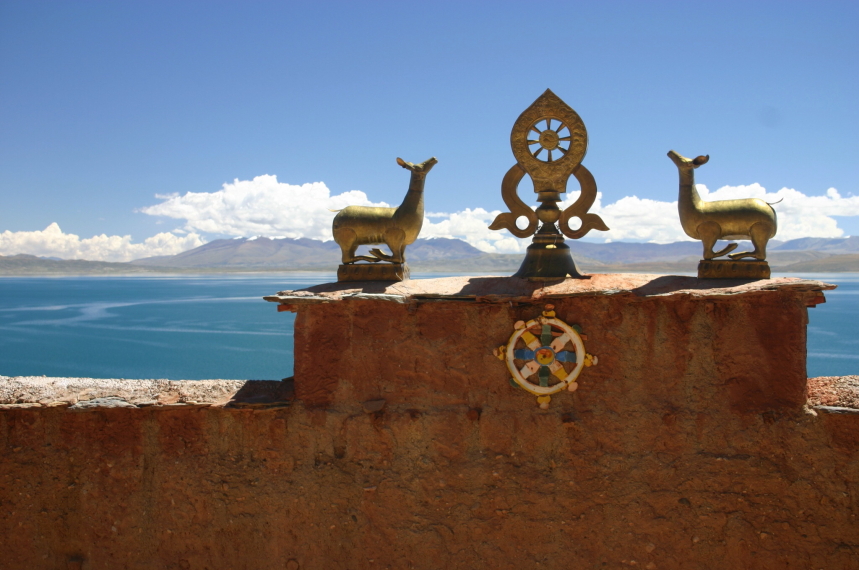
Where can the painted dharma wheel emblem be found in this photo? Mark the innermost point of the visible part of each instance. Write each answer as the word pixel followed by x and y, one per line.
pixel 545 356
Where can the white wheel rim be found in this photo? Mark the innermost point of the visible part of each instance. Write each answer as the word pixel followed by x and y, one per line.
pixel 577 343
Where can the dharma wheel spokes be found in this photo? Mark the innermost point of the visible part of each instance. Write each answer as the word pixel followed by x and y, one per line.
pixel 545 356
pixel 549 139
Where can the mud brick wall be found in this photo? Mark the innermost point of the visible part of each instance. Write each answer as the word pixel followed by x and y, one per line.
pixel 401 444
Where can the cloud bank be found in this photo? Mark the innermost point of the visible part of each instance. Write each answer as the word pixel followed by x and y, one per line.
pixel 262 206
pixel 265 207
pixel 52 242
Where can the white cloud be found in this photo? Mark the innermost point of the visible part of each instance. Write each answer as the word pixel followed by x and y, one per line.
pixel 636 219
pixel 473 227
pixel 262 206
pixel 52 242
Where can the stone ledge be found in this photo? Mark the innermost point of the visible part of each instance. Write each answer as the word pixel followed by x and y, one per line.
pixel 829 394
pixel 825 392
pixel 505 289
pixel 86 394
pixel 837 410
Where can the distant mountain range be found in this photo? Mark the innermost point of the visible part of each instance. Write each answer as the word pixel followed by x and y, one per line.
pixel 443 255
pixel 23 264
pixel 299 253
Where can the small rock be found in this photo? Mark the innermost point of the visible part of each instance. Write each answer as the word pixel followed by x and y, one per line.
pixel 168 398
pixel 651 566
pixel 373 406
pixel 107 402
pixel 650 547
pixel 292 564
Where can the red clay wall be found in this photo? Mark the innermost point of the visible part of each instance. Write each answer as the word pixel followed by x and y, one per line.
pixel 688 446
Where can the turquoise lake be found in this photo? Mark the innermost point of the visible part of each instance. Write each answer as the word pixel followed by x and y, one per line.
pixel 218 326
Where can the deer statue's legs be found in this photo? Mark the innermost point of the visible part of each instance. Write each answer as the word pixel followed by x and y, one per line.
pixel 759 233
pixel 395 239
pixel 347 239
pixel 709 233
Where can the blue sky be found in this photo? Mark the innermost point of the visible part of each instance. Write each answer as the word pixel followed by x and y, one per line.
pixel 104 105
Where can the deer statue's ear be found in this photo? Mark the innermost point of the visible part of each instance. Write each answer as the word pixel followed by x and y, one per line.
pixel 401 162
pixel 701 160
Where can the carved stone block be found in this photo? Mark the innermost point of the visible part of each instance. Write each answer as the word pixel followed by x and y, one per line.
pixel 373 272
pixel 730 269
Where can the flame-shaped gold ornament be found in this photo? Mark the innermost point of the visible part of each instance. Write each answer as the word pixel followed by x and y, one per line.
pixel 549 141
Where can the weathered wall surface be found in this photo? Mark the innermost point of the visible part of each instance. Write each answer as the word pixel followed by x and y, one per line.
pixel 688 446
pixel 742 352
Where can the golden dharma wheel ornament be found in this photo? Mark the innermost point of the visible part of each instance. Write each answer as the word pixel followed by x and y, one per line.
pixel 545 356
pixel 549 142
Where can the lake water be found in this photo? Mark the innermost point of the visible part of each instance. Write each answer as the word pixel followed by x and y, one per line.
pixel 181 327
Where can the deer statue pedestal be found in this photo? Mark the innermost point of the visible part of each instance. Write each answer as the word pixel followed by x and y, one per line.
pixel 373 272
pixel 731 269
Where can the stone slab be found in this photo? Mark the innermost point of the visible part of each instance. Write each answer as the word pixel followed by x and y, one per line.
pixel 33 392
pixel 85 394
pixel 506 289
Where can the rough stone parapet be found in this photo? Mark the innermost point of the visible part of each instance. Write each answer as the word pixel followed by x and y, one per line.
pixel 80 394
pixel 506 289
pixel 833 394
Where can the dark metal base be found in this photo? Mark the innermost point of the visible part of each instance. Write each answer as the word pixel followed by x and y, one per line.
pixel 548 258
pixel 373 272
pixel 730 269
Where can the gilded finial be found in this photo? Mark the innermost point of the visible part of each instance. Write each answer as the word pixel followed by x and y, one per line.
pixel 549 142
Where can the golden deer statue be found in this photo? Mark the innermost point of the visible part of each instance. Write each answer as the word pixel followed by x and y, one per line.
pixel 749 218
pixel 394 227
